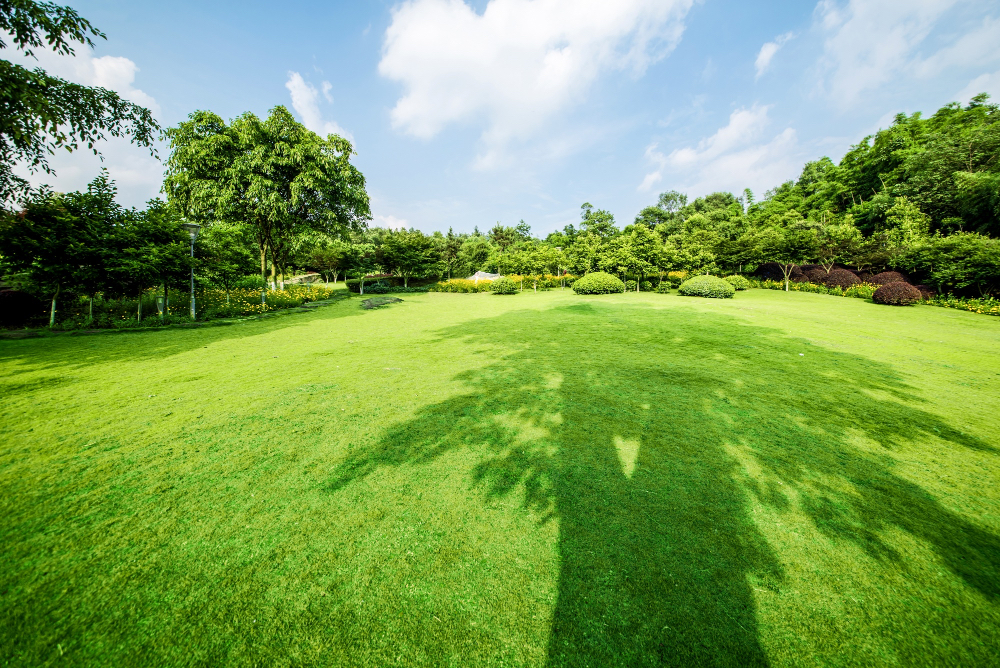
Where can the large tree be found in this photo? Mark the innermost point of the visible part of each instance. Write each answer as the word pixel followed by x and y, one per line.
pixel 40 113
pixel 273 174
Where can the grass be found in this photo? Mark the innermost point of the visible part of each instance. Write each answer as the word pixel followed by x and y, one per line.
pixel 540 479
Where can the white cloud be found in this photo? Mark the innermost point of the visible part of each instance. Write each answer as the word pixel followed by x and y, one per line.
pixel 305 101
pixel 978 47
pixel 392 222
pixel 984 83
pixel 869 43
pixel 767 52
pixel 327 87
pixel 517 65
pixel 731 159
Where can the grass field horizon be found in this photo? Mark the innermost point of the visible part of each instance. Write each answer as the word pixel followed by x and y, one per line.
pixel 539 479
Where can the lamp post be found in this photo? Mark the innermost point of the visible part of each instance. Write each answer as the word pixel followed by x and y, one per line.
pixel 192 229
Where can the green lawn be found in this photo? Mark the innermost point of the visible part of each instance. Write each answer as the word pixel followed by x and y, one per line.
pixel 541 479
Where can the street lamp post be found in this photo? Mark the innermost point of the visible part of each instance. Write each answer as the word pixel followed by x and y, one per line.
pixel 192 229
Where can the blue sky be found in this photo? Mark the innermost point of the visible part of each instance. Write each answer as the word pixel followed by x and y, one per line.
pixel 465 114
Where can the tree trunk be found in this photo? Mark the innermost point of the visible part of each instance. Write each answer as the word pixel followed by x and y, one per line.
pixel 406 281
pixel 166 300
pixel 52 313
pixel 138 309
pixel 90 318
pixel 361 285
pixel 263 273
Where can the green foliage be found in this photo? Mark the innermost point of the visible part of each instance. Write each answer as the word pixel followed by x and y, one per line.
pixel 707 286
pixel 957 263
pixel 504 286
pixel 664 288
pixel 630 286
pixel 598 283
pixel 42 113
pixel 461 285
pixel 738 282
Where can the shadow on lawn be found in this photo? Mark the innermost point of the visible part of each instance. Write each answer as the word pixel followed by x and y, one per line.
pixel 630 434
pixel 138 345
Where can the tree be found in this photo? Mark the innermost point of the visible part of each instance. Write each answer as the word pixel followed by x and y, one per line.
pixel 274 175
pixel 224 255
pixel 47 242
pixel 41 113
pixel 789 247
pixel 598 222
pixel 408 253
pixel 449 250
pixel 150 246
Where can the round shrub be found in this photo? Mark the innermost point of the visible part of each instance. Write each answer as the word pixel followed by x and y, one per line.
pixel 17 307
pixel 663 288
pixel 926 291
pixel 800 278
pixel 887 277
pixel 816 275
pixel 598 283
pixel 630 286
pixel 840 278
pixel 707 286
pixel 738 282
pixel 503 286
pixel 646 286
pixel 897 294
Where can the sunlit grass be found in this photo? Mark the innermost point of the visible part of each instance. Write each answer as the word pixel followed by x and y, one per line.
pixel 539 479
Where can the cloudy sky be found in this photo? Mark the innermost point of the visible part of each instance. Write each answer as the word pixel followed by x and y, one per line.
pixel 468 113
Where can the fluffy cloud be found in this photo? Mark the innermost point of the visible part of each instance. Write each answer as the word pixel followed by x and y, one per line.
pixel 984 83
pixel 767 52
pixel 305 101
pixel 870 42
pixel 519 63
pixel 391 222
pixel 731 159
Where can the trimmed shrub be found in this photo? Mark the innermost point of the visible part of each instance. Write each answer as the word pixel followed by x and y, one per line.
pixel 897 293
pixel 17 307
pixel 816 275
pixel 801 278
pixel 503 286
pixel 675 278
pixel 738 282
pixel 630 286
pixel 663 288
pixel 887 277
pixel 646 286
pixel 840 278
pixel 460 285
pixel 707 286
pixel 926 291
pixel 598 283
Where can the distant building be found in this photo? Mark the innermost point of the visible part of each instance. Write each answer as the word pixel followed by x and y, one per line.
pixel 483 276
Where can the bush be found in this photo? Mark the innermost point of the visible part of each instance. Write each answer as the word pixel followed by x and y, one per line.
pixel 675 278
pixel 816 275
pixel 17 307
pixel 773 271
pixel 646 286
pixel 738 282
pixel 503 286
pixel 663 288
pixel 463 285
pixel 598 283
pixel 887 277
pixel 897 294
pixel 926 291
pixel 840 278
pixel 707 286
pixel 630 286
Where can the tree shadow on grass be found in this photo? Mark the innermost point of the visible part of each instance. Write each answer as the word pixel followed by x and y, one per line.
pixel 626 433
pixel 138 345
